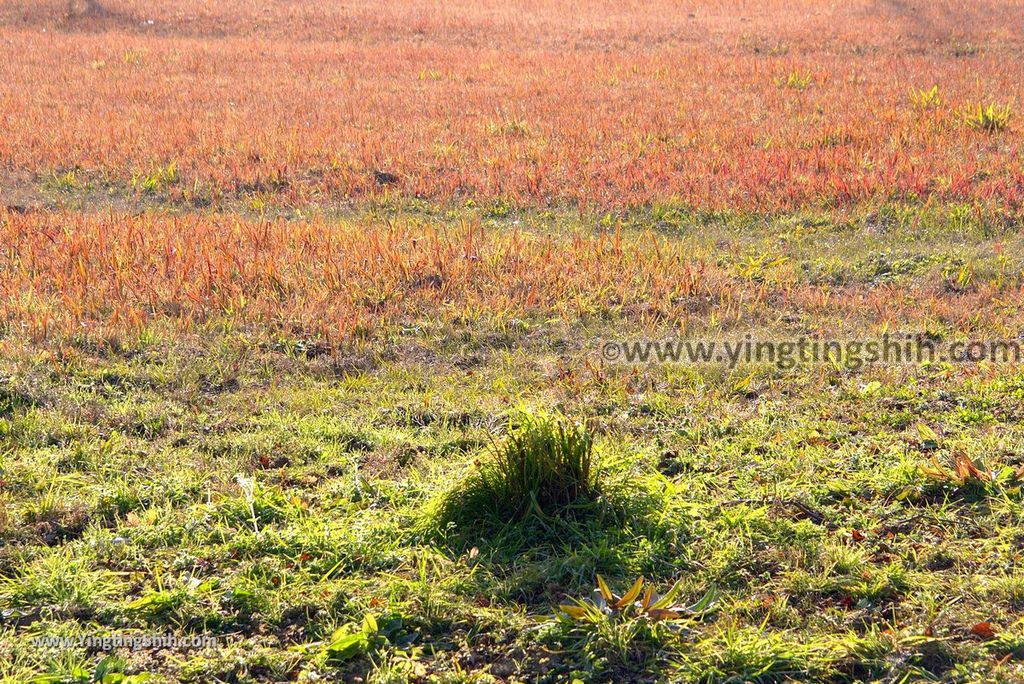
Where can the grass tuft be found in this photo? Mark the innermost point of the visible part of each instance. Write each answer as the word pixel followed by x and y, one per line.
pixel 992 118
pixel 546 467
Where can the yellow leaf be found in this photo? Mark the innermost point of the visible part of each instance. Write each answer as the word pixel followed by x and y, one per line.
pixel 648 595
pixel 605 591
pixel 369 624
pixel 926 433
pixel 744 383
pixel 575 612
pixel 630 595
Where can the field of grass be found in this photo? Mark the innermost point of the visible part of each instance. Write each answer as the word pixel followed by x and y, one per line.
pixel 301 310
pixel 728 104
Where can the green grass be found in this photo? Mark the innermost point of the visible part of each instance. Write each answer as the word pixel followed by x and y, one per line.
pixel 545 467
pixel 324 515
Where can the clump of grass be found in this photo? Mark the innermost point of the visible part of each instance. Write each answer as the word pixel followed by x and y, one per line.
pixel 926 99
pixel 545 467
pixel 11 399
pixel 158 179
pixel 509 127
pixel 133 57
pixel 992 118
pixel 64 182
pixel 798 80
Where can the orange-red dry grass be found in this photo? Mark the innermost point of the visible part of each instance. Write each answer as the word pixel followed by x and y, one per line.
pixel 114 274
pixel 97 274
pixel 600 103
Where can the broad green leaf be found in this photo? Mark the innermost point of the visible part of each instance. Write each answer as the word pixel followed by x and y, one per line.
pixel 704 602
pixel 668 599
pixel 347 646
pixel 927 434
pixel 369 624
pixel 871 388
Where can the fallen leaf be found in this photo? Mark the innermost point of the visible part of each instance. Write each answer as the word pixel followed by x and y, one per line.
pixel 966 469
pixel 984 630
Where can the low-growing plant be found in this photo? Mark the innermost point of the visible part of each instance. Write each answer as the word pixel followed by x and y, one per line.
pixel 625 632
pixel 992 118
pixel 797 80
pixel 133 57
pixel 157 179
pixel 963 471
pixel 355 640
pixel 545 467
pixel 351 641
pixel 64 182
pixel 926 99
pixel 635 603
pixel 509 127
pixel 111 670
